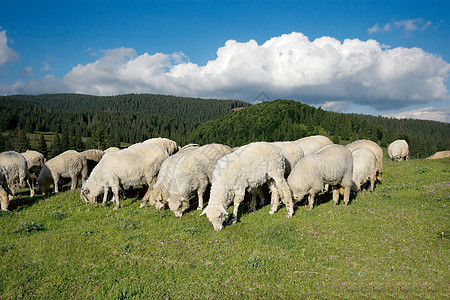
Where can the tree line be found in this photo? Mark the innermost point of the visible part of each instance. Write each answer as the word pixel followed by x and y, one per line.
pixel 54 123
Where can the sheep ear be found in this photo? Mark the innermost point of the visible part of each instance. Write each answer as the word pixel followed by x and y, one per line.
pixel 223 210
pixel 204 211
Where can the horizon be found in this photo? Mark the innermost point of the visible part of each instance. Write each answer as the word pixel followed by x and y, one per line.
pixel 379 58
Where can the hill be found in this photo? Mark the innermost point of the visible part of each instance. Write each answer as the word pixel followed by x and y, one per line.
pixel 289 120
pixel 392 243
pixel 84 121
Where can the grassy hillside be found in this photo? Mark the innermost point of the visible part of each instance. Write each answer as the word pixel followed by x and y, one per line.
pixel 390 243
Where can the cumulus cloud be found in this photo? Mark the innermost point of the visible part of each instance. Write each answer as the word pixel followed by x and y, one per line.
pixel 324 71
pixel 28 71
pixel 6 54
pixel 289 66
pixel 441 114
pixel 406 26
pixel 48 84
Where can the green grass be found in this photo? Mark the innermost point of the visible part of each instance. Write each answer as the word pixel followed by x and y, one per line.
pixel 393 243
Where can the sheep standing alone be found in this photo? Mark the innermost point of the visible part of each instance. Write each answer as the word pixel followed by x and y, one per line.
pixel 170 146
pixel 160 192
pixel 332 164
pixel 364 168
pixel 372 146
pixel 311 144
pixel 4 188
pixel 69 164
pixel 18 172
pixel 135 165
pixel 247 168
pixel 398 150
pixel 194 172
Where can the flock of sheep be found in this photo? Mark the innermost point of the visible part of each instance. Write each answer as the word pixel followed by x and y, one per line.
pixel 290 170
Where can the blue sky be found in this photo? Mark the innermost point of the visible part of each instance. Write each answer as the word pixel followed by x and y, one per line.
pixel 374 57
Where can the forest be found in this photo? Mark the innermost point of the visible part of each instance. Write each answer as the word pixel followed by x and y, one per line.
pixel 54 123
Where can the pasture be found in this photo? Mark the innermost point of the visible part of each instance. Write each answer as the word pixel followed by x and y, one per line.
pixel 394 242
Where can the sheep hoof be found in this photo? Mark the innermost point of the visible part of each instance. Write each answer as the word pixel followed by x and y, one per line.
pixel 272 211
pixel 142 205
pixel 199 208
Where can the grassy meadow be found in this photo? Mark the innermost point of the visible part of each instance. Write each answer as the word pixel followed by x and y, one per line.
pixel 392 243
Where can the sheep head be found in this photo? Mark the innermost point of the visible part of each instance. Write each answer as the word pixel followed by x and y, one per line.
pixel 216 214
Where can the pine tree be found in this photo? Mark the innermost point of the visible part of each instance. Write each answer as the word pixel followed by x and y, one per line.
pixel 42 147
pixel 19 141
pixel 56 146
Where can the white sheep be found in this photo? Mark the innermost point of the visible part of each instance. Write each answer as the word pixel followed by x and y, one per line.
pixel 132 166
pixel 311 144
pixel 112 149
pixel 93 156
pixel 398 150
pixel 440 154
pixel 4 188
pixel 374 148
pixel 18 172
pixel 248 167
pixel 364 168
pixel 69 164
pixel 292 153
pixel 35 161
pixel 170 146
pixel 160 192
pixel 332 164
pixel 194 172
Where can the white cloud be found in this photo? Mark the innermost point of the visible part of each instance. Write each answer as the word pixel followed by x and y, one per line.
pixel 441 114
pixel 336 106
pixel 406 26
pixel 45 67
pixel 287 66
pixel 6 54
pixel 48 84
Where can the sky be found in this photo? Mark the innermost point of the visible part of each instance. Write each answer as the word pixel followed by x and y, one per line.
pixel 388 58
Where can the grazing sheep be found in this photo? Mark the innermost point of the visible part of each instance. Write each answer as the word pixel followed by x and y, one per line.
pixel 135 165
pixel 93 156
pixel 160 192
pixel 332 164
pixel 440 154
pixel 4 189
pixel 194 172
pixel 292 153
pixel 170 146
pixel 247 168
pixel 374 148
pixel 364 168
pixel 35 161
pixel 70 164
pixel 398 150
pixel 112 149
pixel 311 144
pixel 18 172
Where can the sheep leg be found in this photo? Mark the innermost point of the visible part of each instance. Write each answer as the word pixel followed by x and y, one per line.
pixel 30 183
pixel 253 201
pixel 115 191
pixel 311 200
pixel 105 195
pixel 372 184
pixel 262 201
pixel 335 196
pixel 346 195
pixel 274 198
pixel 200 191
pixel 55 182
pixel 74 182
pixel 4 200
pixel 281 184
